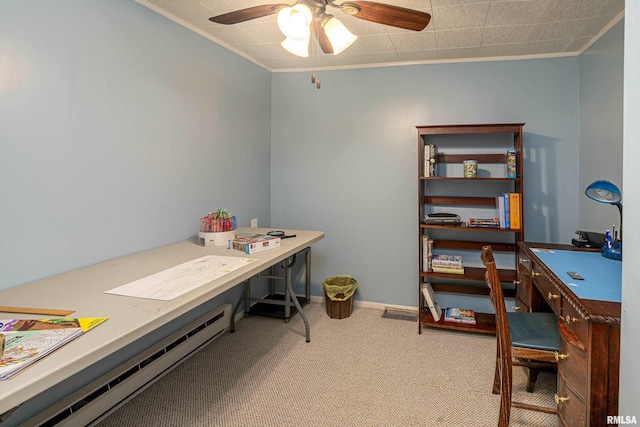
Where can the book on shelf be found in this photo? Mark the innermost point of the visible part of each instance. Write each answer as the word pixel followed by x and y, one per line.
pixel 27 341
pixel 507 202
pixel 251 244
pixel 446 260
pixel 430 160
pixel 460 315
pixel 484 222
pixel 500 206
pixel 514 210
pixel 427 252
pixel 431 302
pixel 447 269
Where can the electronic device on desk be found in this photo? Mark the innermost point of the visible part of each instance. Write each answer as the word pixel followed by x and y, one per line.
pixel 442 218
pixel 588 239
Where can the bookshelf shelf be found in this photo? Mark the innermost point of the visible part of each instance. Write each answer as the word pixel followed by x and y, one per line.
pixel 446 178
pixel 472 273
pixel 443 188
pixel 485 323
pixel 465 227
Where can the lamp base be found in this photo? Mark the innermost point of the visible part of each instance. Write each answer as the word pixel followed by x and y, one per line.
pixel 613 252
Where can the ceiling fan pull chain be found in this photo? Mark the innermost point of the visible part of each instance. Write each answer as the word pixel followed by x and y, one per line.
pixel 315 73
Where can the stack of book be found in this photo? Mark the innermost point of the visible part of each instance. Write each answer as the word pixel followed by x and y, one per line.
pixel 509 215
pixel 484 222
pixel 451 264
pixel 460 315
pixel 427 252
pixel 430 160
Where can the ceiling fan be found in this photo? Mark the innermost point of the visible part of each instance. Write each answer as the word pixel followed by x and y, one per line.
pixel 304 17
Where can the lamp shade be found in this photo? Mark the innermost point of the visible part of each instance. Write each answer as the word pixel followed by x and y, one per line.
pixel 297 47
pixel 294 22
pixel 338 35
pixel 604 192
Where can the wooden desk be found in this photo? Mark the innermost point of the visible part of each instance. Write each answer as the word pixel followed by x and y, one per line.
pixel 130 319
pixel 589 320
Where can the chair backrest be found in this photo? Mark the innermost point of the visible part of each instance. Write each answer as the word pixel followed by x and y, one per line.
pixel 496 294
pixel 492 278
pixel 502 332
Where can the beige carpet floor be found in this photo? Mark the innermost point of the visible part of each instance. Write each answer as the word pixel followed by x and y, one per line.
pixel 364 370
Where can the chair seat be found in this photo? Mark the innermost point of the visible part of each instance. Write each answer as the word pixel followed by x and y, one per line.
pixel 538 331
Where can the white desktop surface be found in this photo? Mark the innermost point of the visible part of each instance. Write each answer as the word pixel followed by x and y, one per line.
pixel 130 318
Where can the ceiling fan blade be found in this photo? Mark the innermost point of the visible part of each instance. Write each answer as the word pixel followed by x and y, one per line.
pixel 321 35
pixel 247 14
pixel 386 14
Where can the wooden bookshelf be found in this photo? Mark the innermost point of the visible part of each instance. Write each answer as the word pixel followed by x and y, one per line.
pixel 446 190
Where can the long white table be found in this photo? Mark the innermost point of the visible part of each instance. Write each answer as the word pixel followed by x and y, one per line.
pixel 130 318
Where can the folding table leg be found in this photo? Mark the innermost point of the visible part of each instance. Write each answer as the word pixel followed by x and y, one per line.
pixel 295 300
pixel 243 297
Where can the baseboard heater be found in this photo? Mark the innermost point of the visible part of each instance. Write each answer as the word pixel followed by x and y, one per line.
pixel 98 399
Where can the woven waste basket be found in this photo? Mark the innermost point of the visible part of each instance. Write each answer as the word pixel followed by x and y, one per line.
pixel 339 292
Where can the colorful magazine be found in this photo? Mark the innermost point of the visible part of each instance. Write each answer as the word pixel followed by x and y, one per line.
pixel 446 260
pixel 460 315
pixel 27 341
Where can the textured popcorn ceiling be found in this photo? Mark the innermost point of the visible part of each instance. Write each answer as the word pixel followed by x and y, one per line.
pixel 460 30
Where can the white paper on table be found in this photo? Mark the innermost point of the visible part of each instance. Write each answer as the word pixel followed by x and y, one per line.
pixel 175 281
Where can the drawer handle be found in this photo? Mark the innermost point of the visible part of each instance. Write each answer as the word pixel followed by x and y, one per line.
pixel 553 296
pixel 559 399
pixel 516 308
pixel 570 319
pixel 560 356
pixel 525 260
pixel 535 273
pixel 516 282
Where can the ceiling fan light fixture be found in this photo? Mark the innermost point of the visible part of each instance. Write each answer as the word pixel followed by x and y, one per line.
pixel 295 22
pixel 297 47
pixel 339 36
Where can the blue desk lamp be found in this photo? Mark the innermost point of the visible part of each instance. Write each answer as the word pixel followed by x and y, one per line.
pixel 607 192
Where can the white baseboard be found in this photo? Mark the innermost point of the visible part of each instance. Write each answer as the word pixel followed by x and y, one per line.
pixel 369 304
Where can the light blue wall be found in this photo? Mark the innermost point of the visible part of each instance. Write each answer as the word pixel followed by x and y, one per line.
pixel 119 129
pixel 344 158
pixel 601 87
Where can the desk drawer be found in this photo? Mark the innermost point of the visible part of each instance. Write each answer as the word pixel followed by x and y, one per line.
pixel 523 288
pixel 572 362
pixel 548 290
pixel 571 409
pixel 575 322
pixel 525 262
pixel 521 306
